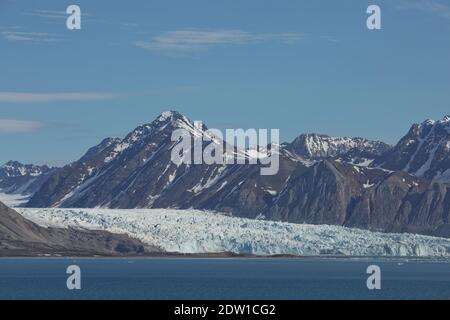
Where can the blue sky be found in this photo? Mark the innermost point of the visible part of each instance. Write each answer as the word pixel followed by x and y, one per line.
pixel 301 66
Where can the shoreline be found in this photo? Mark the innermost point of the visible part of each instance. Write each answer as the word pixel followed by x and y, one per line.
pixel 210 256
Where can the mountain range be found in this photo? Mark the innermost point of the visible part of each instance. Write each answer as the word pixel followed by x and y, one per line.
pixel 19 178
pixel 351 182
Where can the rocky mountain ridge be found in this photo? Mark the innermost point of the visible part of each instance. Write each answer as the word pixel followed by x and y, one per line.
pixel 322 180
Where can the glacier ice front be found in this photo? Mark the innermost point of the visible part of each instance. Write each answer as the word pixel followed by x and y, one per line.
pixel 193 231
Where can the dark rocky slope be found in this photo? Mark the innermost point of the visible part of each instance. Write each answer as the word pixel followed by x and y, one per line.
pixel 336 193
pixel 21 237
pixel 424 151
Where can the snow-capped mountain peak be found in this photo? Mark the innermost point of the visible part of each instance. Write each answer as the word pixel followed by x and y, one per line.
pixel 168 115
pixel 162 126
pixel 17 169
pixel 316 146
pixel 423 151
pixel 444 122
pixel 168 119
pixel 16 177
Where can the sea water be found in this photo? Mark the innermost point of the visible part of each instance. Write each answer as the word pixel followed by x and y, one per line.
pixel 222 278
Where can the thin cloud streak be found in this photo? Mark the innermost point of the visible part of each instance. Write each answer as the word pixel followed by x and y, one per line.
pixel 28 36
pixel 183 41
pixel 19 126
pixel 429 6
pixel 29 97
pixel 49 14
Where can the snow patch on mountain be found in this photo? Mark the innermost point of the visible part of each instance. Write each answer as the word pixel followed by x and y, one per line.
pixel 19 178
pixel 192 231
pixel 17 169
pixel 324 146
pixel 13 200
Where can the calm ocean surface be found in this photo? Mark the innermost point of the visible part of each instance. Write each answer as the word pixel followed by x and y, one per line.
pixel 172 278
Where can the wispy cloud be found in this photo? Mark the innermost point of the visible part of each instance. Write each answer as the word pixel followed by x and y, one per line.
pixel 49 14
pixel 28 36
pixel 19 126
pixel 10 27
pixel 190 40
pixel 30 97
pixel 436 7
pixel 53 15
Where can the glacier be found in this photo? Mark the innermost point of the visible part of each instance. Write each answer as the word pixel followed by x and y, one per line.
pixel 14 199
pixel 194 231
